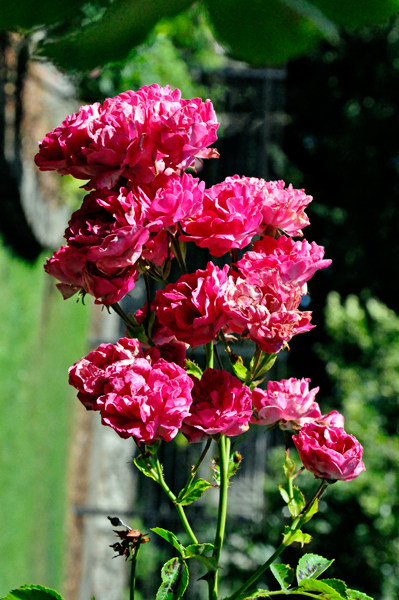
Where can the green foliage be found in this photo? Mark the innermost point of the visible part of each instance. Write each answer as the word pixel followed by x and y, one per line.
pixel 169 537
pixel 174 580
pixel 32 592
pixel 193 369
pixel 284 575
pixel 311 566
pixel 261 32
pixel 194 492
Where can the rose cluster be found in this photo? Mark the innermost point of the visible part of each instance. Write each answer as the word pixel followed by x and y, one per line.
pixel 147 395
pixel 140 211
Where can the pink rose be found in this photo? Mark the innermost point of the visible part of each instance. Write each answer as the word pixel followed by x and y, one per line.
pixel 229 218
pixel 176 199
pixel 101 252
pixel 183 130
pixel 283 208
pixel 295 262
pixel 144 401
pixel 266 311
pixel 88 374
pixel 288 401
pixel 192 307
pixel 171 352
pixel 221 404
pixel 134 135
pixel 329 452
pixel 332 419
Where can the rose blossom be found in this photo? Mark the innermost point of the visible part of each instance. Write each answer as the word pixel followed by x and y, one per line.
pixel 288 401
pixel 221 404
pixel 101 253
pixel 268 313
pixel 295 262
pixel 175 198
pixel 87 375
pixel 134 135
pixel 329 452
pixel 229 218
pixel 192 307
pixel 171 352
pixel 332 419
pixel 283 208
pixel 144 401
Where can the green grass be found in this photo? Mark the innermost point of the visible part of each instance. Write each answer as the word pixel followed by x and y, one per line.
pixel 41 335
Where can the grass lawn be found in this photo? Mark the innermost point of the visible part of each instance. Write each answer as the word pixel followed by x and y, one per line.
pixel 41 335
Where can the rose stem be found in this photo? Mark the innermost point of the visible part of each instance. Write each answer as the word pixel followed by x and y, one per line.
pixel 224 457
pixel 178 254
pixel 172 497
pixel 196 467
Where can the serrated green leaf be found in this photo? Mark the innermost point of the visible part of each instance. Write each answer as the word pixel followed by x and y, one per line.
pixel 312 511
pixel 194 492
pixel 316 585
pixel 174 580
pixel 195 549
pixel 284 494
pixel 284 575
pixel 296 536
pixel 289 467
pixel 311 566
pixel 33 592
pixel 145 467
pixel 171 538
pixel 355 595
pixel 297 503
pixel 338 585
pixel 193 369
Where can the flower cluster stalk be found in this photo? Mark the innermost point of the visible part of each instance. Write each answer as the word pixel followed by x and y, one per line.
pixel 224 458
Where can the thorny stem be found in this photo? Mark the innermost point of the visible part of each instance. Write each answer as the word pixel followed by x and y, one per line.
pixel 296 525
pixel 148 314
pixel 196 467
pixel 172 497
pixel 224 457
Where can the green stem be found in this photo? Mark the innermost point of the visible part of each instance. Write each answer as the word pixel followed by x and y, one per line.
pixel 257 355
pixel 296 524
pixel 133 569
pixel 209 355
pixel 196 467
pixel 172 498
pixel 215 349
pixel 121 313
pixel 178 254
pixel 224 457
